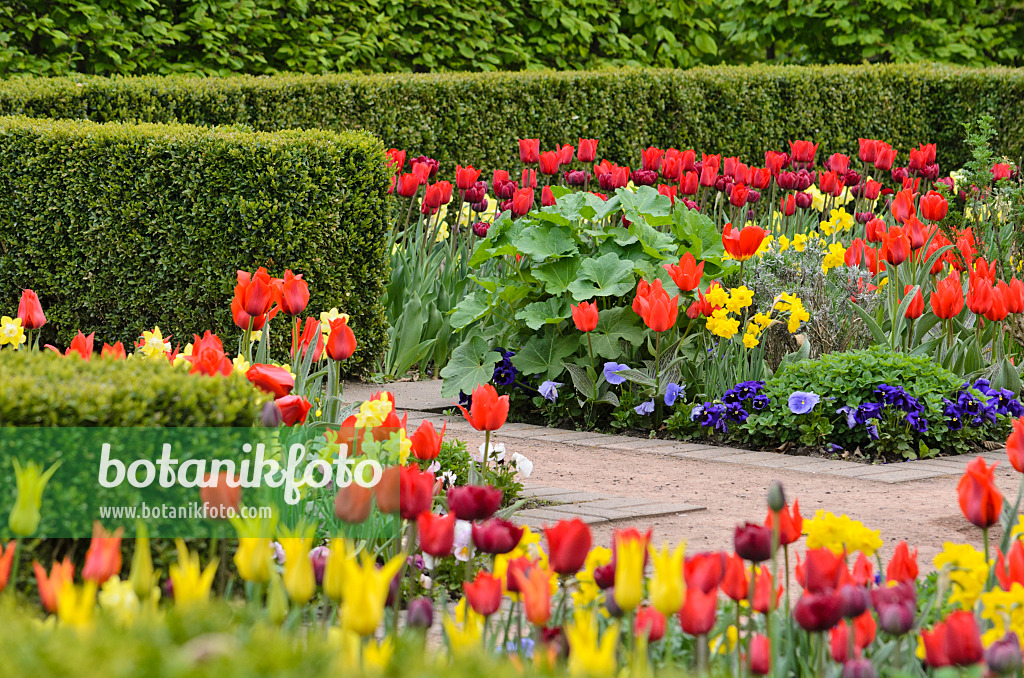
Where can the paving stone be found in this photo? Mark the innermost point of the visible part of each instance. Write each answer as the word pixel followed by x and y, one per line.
pixel 751 458
pixel 619 502
pixel 595 440
pixel 663 509
pixel 903 475
pixel 574 496
pixel 549 515
pixel 712 453
pixel 522 433
pixel 563 436
pixel 858 471
pixel 947 466
pixel 824 465
pixel 788 461
pixel 626 443
pixel 679 449
pixel 539 491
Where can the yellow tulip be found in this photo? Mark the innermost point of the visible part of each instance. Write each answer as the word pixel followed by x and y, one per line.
pixel 378 657
pixel 142 577
pixel 76 604
pixel 334 570
pixel 277 600
pixel 464 639
pixel 31 481
pixel 254 553
pixel 299 579
pixel 589 653
pixel 629 572
pixel 667 587
pixel 191 582
pixel 365 590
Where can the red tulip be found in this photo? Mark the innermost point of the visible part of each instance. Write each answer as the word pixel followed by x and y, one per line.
pixel 207 355
pixel 568 544
pixel 863 571
pixel 962 640
pixel 81 345
pixel 687 273
pixel 874 230
pixel 775 161
pixel 1001 170
pixel 584 316
pixel 529 151
pixel 818 611
pixel 671 169
pixel 548 163
pixel 868 150
pixel 1015 445
pixel 528 178
pixel 709 169
pixel 871 189
pixel 255 292
pixel 689 183
pixel 565 155
pixel 933 206
pixel 997 312
pixel 650 624
pixel 547 198
pixel 697 616
pixel 484 593
pixel 436 533
pixel 916 308
pixel 310 333
pixel 885 157
pixel 103 559
pixel 760 177
pixel 764 590
pixel 742 244
pixel 293 409
pixel 535 588
pixel 50 586
pixel 1010 568
pixel 822 570
pixel 30 311
pixel 1015 296
pixel 341 342
pixel 916 231
pixel 668 191
pixel 760 655
pixel 221 496
pixel 704 571
pixel 587 150
pixel 788 205
pixel 496 536
pixel 903 206
pixel 117 352
pixel 980 499
pixel 803 151
pixel 935 646
pixel 738 195
pixel 406 185
pixel 465 177
pixel 864 629
pixel 487 411
pixel 271 379
pixel 948 298
pixel 352 503
pixel 837 162
pixel 897 246
pixel 687 160
pixel 426 441
pixel 651 158
pixel 979 294
pixel 294 293
pixel 791 523
pixel 734 581
pixel 474 502
pixel 903 566
pixel 522 202
pixel 652 303
pixel 415 492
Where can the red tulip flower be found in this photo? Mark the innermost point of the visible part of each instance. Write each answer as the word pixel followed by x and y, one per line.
pixel 822 570
pixel 837 162
pixel 788 205
pixel 671 169
pixel 961 640
pixel 775 161
pixel 415 492
pixel 864 631
pixel 687 273
pixel 352 503
pixel 426 441
pixel 709 169
pixel 496 536
pixel 933 206
pixel 738 195
pixel 868 150
pixel 484 593
pixel 652 303
pixel 117 352
pixel 903 566
pixel 584 316
pixel 271 379
pixel 979 294
pixel 830 183
pixel 529 151
pixel 897 246
pixel 916 231
pixel 436 533
pixel 487 411
pixel 81 345
pixel 980 499
pixel 764 590
pixel 1010 569
pixel 549 162
pixel 522 202
pixel 651 158
pixel 791 523
pixel 1015 446
pixel 565 155
pixel 407 184
pixel 704 571
pixel 207 356
pixel 760 655
pixel 547 198
pixel 734 581
pixel 874 230
pixel 916 308
pixel 689 183
pixel 341 342
pixel 465 177
pixel 255 292
pixel 885 157
pixel 103 559
pixel 687 160
pixel 587 150
pixel 1015 296
pixel 396 159
pixel 294 409
pixel 650 624
pixel 30 311
pixel 668 191
pixel 997 312
pixel 903 206
pixel 534 585
pixel 311 335
pixel 697 616
pixel 221 496
pixel 802 152
pixel 742 244
pixel 568 544
pixel 474 502
pixel 948 298
pixel 294 293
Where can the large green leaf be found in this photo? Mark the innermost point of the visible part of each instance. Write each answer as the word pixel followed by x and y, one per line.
pixel 548 312
pixel 470 309
pixel 645 203
pixel 607 276
pixel 471 364
pixel 697 233
pixel 602 208
pixel 613 326
pixel 541 242
pixel 557 275
pixel 655 243
pixel 545 354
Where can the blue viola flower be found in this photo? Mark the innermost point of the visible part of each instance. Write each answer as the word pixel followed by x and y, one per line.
pixel 982 385
pixel 672 392
pixel 504 372
pixel 872 431
pixel 736 412
pixel 917 422
pixel 968 403
pixel 868 411
pixel 549 389
pixel 802 402
pixel 645 407
pixel 609 373
pixel 851 415
pixel 760 402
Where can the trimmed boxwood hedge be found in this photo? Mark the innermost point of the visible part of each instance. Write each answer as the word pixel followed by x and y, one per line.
pixel 477 118
pixel 119 227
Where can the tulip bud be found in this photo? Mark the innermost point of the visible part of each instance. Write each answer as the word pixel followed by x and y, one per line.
pixel 270 415
pixel 853 600
pixel 420 614
pixel 609 603
pixel 604 576
pixel 895 619
pixel 859 668
pixel 30 481
pixel 141 575
pixel 753 542
pixel 776 496
pixel 277 601
pixel 1004 656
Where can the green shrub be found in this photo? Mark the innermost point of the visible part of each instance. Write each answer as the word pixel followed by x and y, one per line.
pixel 120 227
pixel 44 389
pixel 477 118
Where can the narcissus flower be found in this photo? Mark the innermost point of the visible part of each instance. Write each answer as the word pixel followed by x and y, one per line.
pixel 742 244
pixel 980 499
pixel 487 410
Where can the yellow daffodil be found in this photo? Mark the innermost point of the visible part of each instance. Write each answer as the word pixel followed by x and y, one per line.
pixel 835 257
pixel 191 582
pixel 76 605
pixel 667 588
pixel 11 332
pixel 30 481
pixel 591 654
pixel 967 571
pixel 717 296
pixel 1005 610
pixel 739 299
pixel 799 242
pixel 365 589
pixel 722 324
pixel 840 533
pixel 750 340
pixel 153 344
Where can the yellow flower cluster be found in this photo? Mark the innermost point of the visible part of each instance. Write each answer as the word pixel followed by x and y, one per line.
pixel 1005 610
pixel 153 344
pixel 373 412
pixel 840 534
pixel 835 257
pixel 790 303
pixel 967 571
pixel 722 323
pixel 839 220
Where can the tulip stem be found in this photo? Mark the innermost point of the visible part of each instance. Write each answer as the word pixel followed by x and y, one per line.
pixel 702 654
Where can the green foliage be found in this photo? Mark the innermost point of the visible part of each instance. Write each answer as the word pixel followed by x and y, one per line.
pixel 44 389
pixel 121 227
pixel 477 118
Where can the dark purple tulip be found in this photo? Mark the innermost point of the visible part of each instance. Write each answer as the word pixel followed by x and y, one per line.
pixel 753 542
pixel 818 611
pixel 1004 656
pixel 421 613
pixel 859 668
pixel 855 599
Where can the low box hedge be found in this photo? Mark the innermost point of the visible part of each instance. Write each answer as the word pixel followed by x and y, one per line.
pixel 477 118
pixel 119 227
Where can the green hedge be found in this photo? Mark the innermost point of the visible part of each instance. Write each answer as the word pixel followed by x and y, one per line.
pixel 477 118
pixel 120 227
pixel 44 389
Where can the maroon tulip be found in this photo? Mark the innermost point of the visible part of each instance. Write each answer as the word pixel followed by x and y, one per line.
pixel 753 542
pixel 895 606
pixel 474 502
pixel 818 611
pixel 496 536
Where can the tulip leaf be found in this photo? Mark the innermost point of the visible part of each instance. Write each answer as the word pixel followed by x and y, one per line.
pixel 605 276
pixel 876 332
pixel 541 242
pixel 557 275
pixel 470 309
pixel 581 380
pixel 614 325
pixel 551 311
pixel 545 354
pixel 472 363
